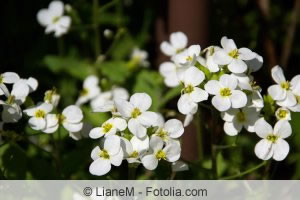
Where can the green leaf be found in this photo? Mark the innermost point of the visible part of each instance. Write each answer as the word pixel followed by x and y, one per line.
pixel 116 71
pixel 95 119
pixel 151 83
pixel 174 92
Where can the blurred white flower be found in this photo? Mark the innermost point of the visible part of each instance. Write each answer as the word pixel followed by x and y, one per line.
pixel 169 71
pixel 189 56
pixel 178 41
pixel 232 56
pixel 236 119
pixel 139 58
pixel 192 94
pixel 38 115
pixel 7 78
pixel 272 143
pixel 170 153
pixel 110 127
pixel 90 90
pixel 283 114
pixel 52 97
pixel 136 112
pixel 284 91
pixel 226 95
pixel 53 19
pixel 110 154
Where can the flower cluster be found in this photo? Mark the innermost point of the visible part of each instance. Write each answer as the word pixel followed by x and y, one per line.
pixel 224 75
pixel 134 134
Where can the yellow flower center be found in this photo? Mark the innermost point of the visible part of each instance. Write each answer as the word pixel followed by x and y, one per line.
pixel 161 155
pixel 189 58
pixel 134 154
pixel 55 19
pixel 49 95
pixel 135 113
pixel 162 134
pixel 188 89
pixel 234 53
pixel 282 114
pixel 285 85
pixel 225 92
pixel 272 138
pixel 104 154
pixel 84 92
pixel 241 116
pixel 106 127
pixel 11 99
pixel 40 113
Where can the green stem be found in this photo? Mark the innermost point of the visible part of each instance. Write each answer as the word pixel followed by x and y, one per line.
pixel 131 172
pixel 56 155
pixel 96 28
pixel 213 143
pixel 245 172
pixel 199 134
pixel 221 147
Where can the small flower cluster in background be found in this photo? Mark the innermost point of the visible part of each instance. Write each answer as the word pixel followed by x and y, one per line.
pixel 223 75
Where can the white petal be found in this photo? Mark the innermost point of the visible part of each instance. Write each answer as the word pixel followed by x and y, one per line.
pixel 56 7
pixel 100 167
pixel 32 83
pixel 73 127
pixel 156 143
pixel 295 85
pixel 289 101
pixel 37 123
pixel 174 128
pixel 150 162
pixel 194 50
pixel 73 114
pixel 126 147
pixel 124 107
pixel 141 100
pixel 120 93
pixel 96 133
pixel 237 66
pixel 229 115
pixel 167 49
pixel 228 44
pixel 167 68
pixel 91 81
pixel 283 129
pixel 220 103
pixel 11 114
pixel 238 99
pixel 172 80
pixel 281 150
pixel 4 90
pixel 140 144
pixel 211 65
pixel 116 160
pixel 44 17
pixel 199 95
pixel 277 74
pixel 136 128
pixel 172 152
pixel 221 57
pixel 178 40
pixel 232 128
pixel 185 104
pixel 264 149
pixel 51 123
pixel 193 76
pixel 188 120
pixel 20 90
pixel 263 128
pixel 120 123
pixel 112 144
pixel 95 153
pixel 213 87
pixel 228 81
pixel 46 107
pixel 10 77
pixel 246 54
pixel 148 119
pixel 65 21
pixel 179 166
pixel 276 92
pixel 255 64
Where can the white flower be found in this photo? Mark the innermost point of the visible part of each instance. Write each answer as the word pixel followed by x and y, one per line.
pixel 90 90
pixel 32 84
pixel 101 100
pixel 255 98
pixel 283 114
pixel 111 154
pixel 178 41
pixel 210 63
pixel 189 56
pixel 139 57
pixel 170 130
pixel 170 153
pixel 38 115
pixel 232 56
pixel 192 94
pixel 225 94
pixel 255 64
pixel 169 71
pixel 284 91
pixel 110 127
pixel 7 78
pixel 52 97
pixel 53 19
pixel 236 119
pixel 244 81
pixel 272 143
pixel 135 148
pixel 136 112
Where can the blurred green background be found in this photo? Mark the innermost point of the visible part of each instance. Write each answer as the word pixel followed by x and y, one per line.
pixel 269 28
